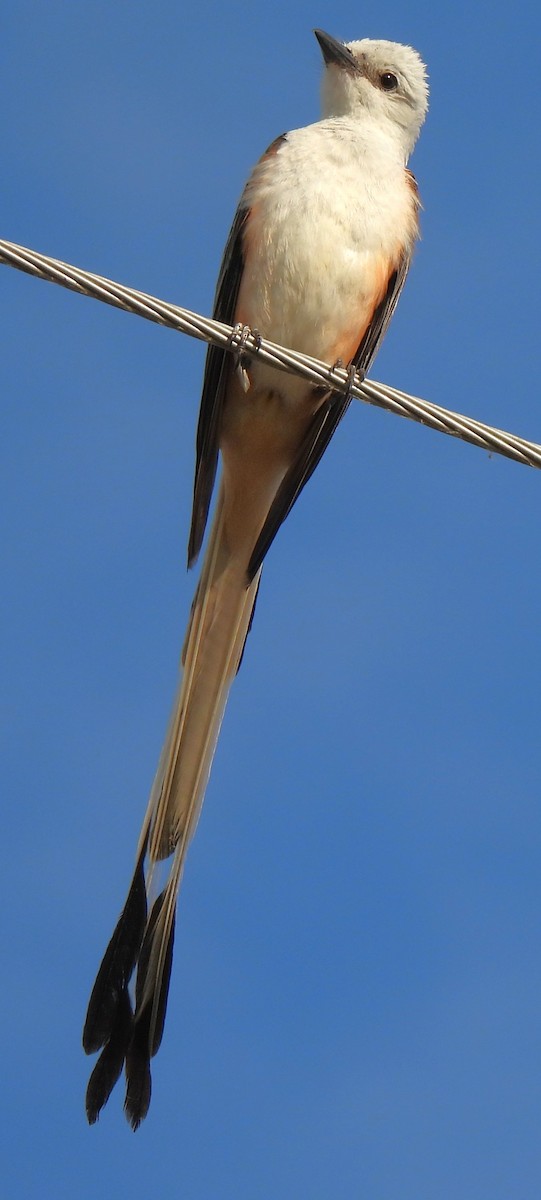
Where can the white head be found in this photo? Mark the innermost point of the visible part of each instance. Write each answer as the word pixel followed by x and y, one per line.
pixel 383 78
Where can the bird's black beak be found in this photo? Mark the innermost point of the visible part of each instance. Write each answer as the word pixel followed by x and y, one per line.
pixel 334 51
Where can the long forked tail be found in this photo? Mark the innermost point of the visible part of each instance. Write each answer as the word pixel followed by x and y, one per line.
pixel 219 624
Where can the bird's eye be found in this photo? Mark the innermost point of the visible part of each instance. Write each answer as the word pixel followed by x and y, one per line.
pixel 388 81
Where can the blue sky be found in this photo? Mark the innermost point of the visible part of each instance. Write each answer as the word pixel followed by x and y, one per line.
pixel 355 1008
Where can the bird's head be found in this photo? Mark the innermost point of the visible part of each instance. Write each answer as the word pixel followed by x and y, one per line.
pixel 384 78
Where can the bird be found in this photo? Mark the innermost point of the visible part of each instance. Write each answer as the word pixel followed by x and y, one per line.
pixel 316 259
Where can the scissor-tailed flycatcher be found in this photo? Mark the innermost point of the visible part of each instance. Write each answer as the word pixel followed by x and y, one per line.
pixel 316 260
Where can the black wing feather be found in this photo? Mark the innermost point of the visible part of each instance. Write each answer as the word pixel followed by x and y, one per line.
pixel 217 368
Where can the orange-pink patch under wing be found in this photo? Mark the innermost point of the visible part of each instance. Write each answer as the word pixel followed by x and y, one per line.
pixel 373 291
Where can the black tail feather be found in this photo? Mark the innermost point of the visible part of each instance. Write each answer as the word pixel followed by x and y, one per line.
pixel 117 964
pixel 149 1020
pixel 146 950
pixel 147 1000
pixel 161 1007
pixel 138 1078
pixel 109 1065
pixel 110 1021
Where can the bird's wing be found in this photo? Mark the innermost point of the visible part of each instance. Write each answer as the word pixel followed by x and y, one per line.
pixel 326 418
pixel 217 368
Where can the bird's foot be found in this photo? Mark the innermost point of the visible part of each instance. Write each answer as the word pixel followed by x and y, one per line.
pixel 238 340
pixel 354 377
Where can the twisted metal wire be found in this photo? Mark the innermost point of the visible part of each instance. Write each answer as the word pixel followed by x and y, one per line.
pixel 381 395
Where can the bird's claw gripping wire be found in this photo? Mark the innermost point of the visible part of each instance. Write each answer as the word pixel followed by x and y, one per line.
pixel 238 340
pixel 354 377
